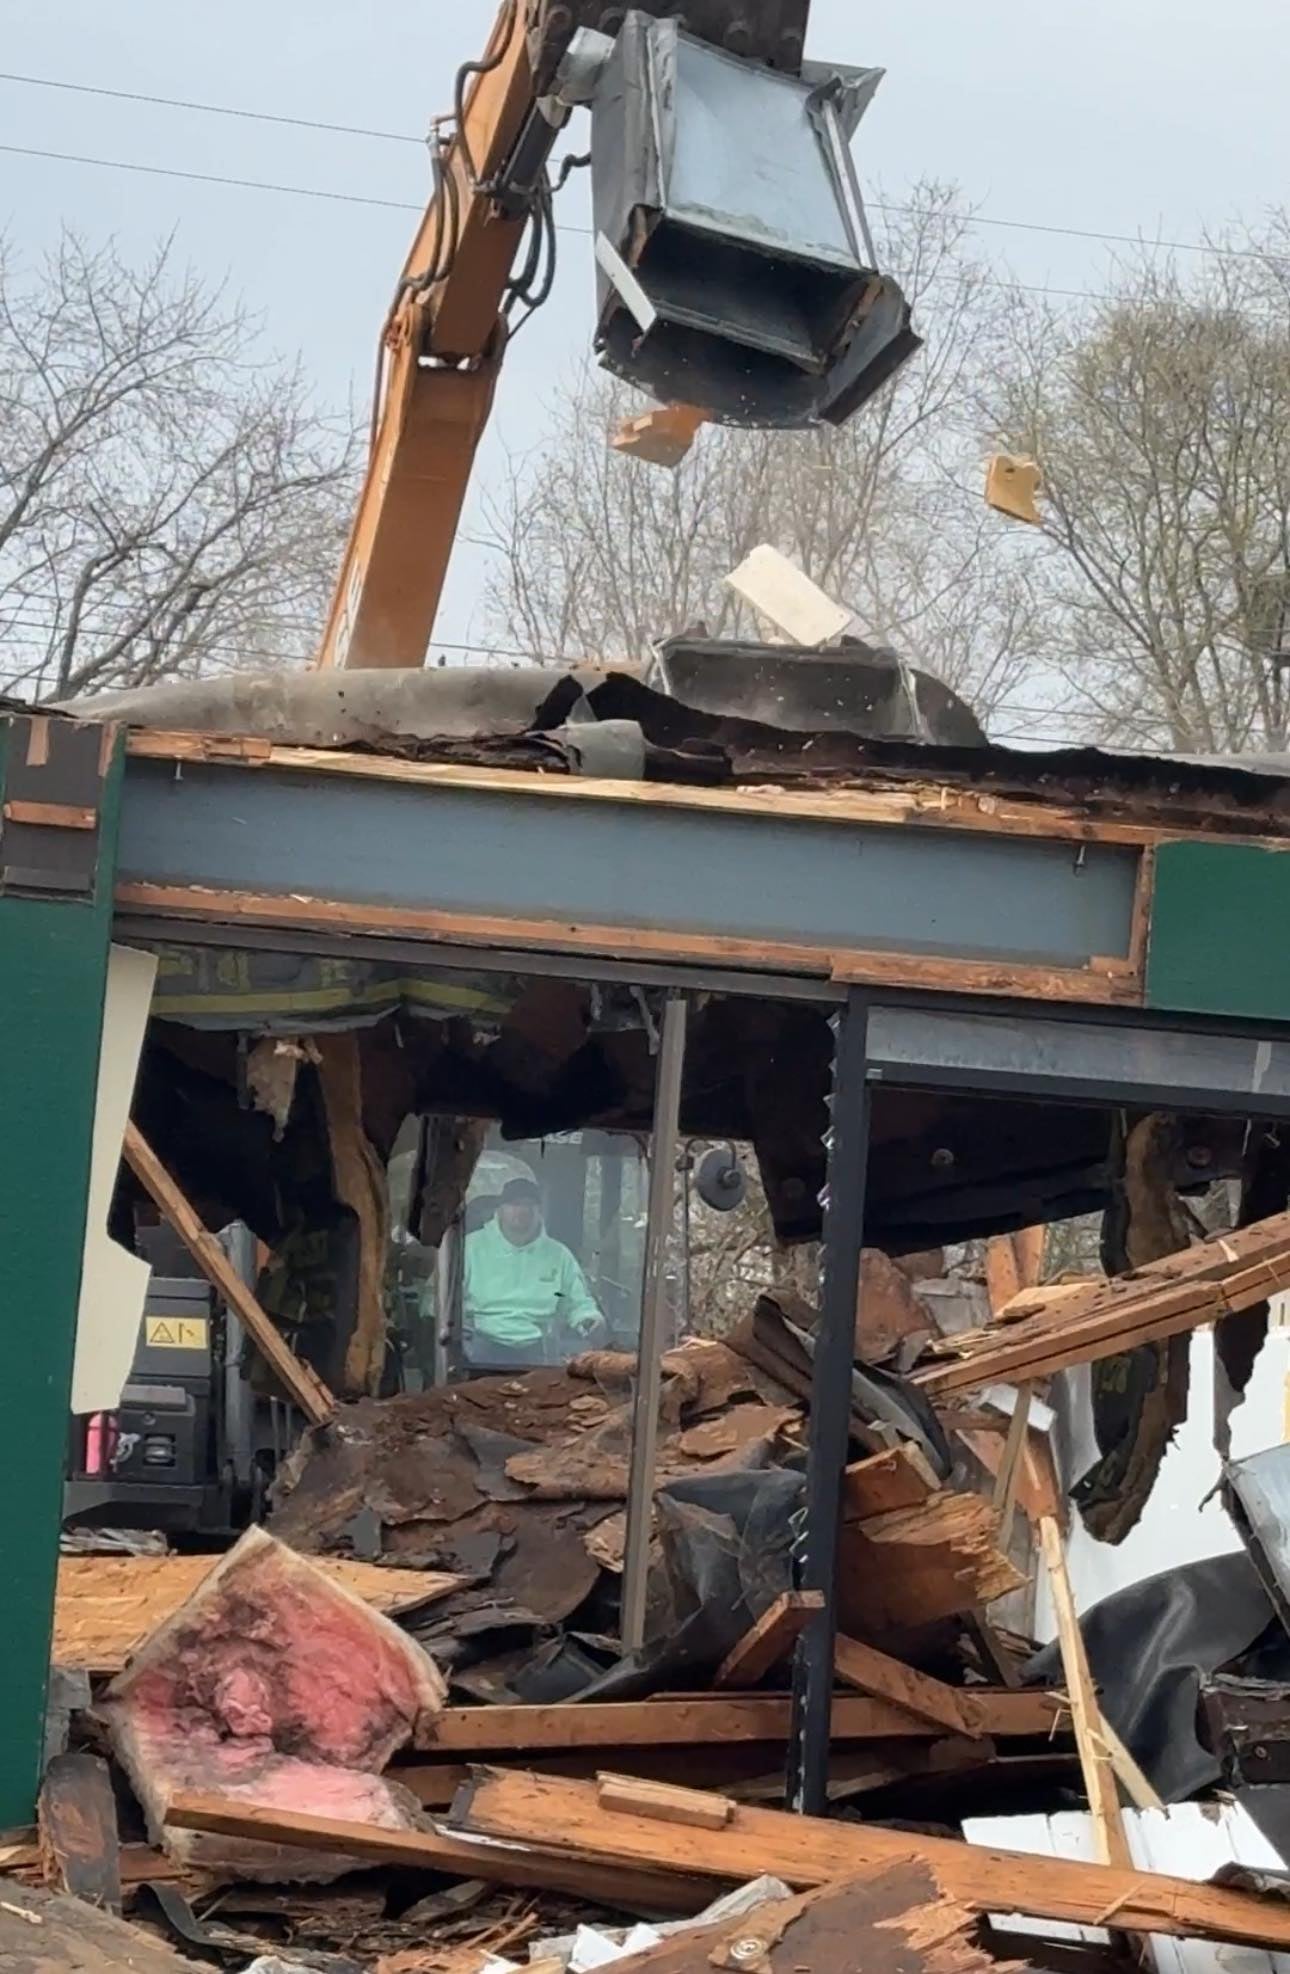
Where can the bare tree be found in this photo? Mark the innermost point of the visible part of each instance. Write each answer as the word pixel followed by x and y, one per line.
pixel 169 502
pixel 596 555
pixel 1160 419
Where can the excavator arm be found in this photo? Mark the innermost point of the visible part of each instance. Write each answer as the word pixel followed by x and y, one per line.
pixel 445 336
pixel 441 351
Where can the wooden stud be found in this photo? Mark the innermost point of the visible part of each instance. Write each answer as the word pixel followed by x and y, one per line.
pixel 1005 1481
pixel 1137 1785
pixel 770 1640
pixel 303 1386
pixel 663 1890
pixel 51 815
pixel 1094 1753
pixel 679 1722
pixel 697 1808
pixel 885 1678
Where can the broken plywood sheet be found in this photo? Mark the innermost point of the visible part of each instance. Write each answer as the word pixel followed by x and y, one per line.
pixel 280 1688
pixel 906 1922
pixel 107 1605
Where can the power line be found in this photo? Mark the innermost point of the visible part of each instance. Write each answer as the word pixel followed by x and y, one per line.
pixel 405 137
pixel 403 205
pixel 208 109
pixel 209 178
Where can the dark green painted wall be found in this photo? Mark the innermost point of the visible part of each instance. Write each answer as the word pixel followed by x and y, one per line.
pixel 1220 931
pixel 53 970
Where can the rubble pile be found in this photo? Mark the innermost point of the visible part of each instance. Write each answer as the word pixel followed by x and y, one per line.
pixel 396 1731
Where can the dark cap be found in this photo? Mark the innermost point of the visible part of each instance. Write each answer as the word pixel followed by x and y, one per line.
pixel 518 1189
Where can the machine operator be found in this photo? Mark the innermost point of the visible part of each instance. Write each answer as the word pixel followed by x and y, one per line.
pixel 525 1296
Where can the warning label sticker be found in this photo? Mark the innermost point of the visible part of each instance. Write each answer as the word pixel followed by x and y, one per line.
pixel 176 1332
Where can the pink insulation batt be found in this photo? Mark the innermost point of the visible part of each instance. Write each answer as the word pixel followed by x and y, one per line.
pixel 275 1686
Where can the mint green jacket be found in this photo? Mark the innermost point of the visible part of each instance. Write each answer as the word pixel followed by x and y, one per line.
pixel 516 1294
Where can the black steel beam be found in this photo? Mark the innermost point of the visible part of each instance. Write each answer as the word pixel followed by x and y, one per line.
pixel 844 1203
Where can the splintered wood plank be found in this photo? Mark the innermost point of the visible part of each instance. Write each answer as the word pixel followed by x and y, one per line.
pixel 770 1639
pixel 886 1678
pixel 1052 1331
pixel 665 1801
pixel 78 1831
pixel 899 1571
pixel 671 1722
pixel 665 1889
pixel 302 1384
pixel 902 1477
pixel 807 1851
pixel 1095 1760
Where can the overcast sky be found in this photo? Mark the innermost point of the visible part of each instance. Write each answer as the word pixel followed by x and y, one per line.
pixel 1123 116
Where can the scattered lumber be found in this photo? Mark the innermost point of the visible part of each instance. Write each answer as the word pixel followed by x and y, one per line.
pixel 78 1831
pixel 806 1851
pixel 302 1385
pixel 671 1888
pixel 902 1477
pixel 1217 1277
pixel 695 1722
pixel 905 1922
pixel 770 1639
pixel 107 1605
pixel 899 1571
pixel 885 1678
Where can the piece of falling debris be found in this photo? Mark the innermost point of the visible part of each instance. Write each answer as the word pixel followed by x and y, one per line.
pixel 661 437
pixel 1011 486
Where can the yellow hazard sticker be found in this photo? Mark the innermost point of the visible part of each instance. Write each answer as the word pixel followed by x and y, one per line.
pixel 176 1332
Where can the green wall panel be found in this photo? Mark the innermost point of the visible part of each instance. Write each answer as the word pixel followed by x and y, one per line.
pixel 53 970
pixel 1220 931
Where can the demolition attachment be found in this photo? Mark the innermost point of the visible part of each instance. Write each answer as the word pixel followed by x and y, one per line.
pixel 735 266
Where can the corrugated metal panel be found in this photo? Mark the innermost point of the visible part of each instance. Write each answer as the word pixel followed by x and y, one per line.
pixel 1188 1840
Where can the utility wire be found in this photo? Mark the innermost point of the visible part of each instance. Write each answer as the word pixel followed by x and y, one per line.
pixel 403 205
pixel 208 109
pixel 404 137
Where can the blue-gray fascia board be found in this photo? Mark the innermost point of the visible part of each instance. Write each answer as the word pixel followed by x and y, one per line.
pixel 835 886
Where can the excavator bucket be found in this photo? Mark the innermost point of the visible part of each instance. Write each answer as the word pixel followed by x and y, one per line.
pixel 770 31
pixel 1011 486
pixel 768 310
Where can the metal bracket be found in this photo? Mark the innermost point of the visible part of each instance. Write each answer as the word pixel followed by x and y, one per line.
pixel 54 772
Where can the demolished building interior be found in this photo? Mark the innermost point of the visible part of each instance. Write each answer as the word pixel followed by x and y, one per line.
pixel 507 1653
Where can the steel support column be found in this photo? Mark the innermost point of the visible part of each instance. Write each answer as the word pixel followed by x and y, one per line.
pixel 844 1203
pixel 662 1203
